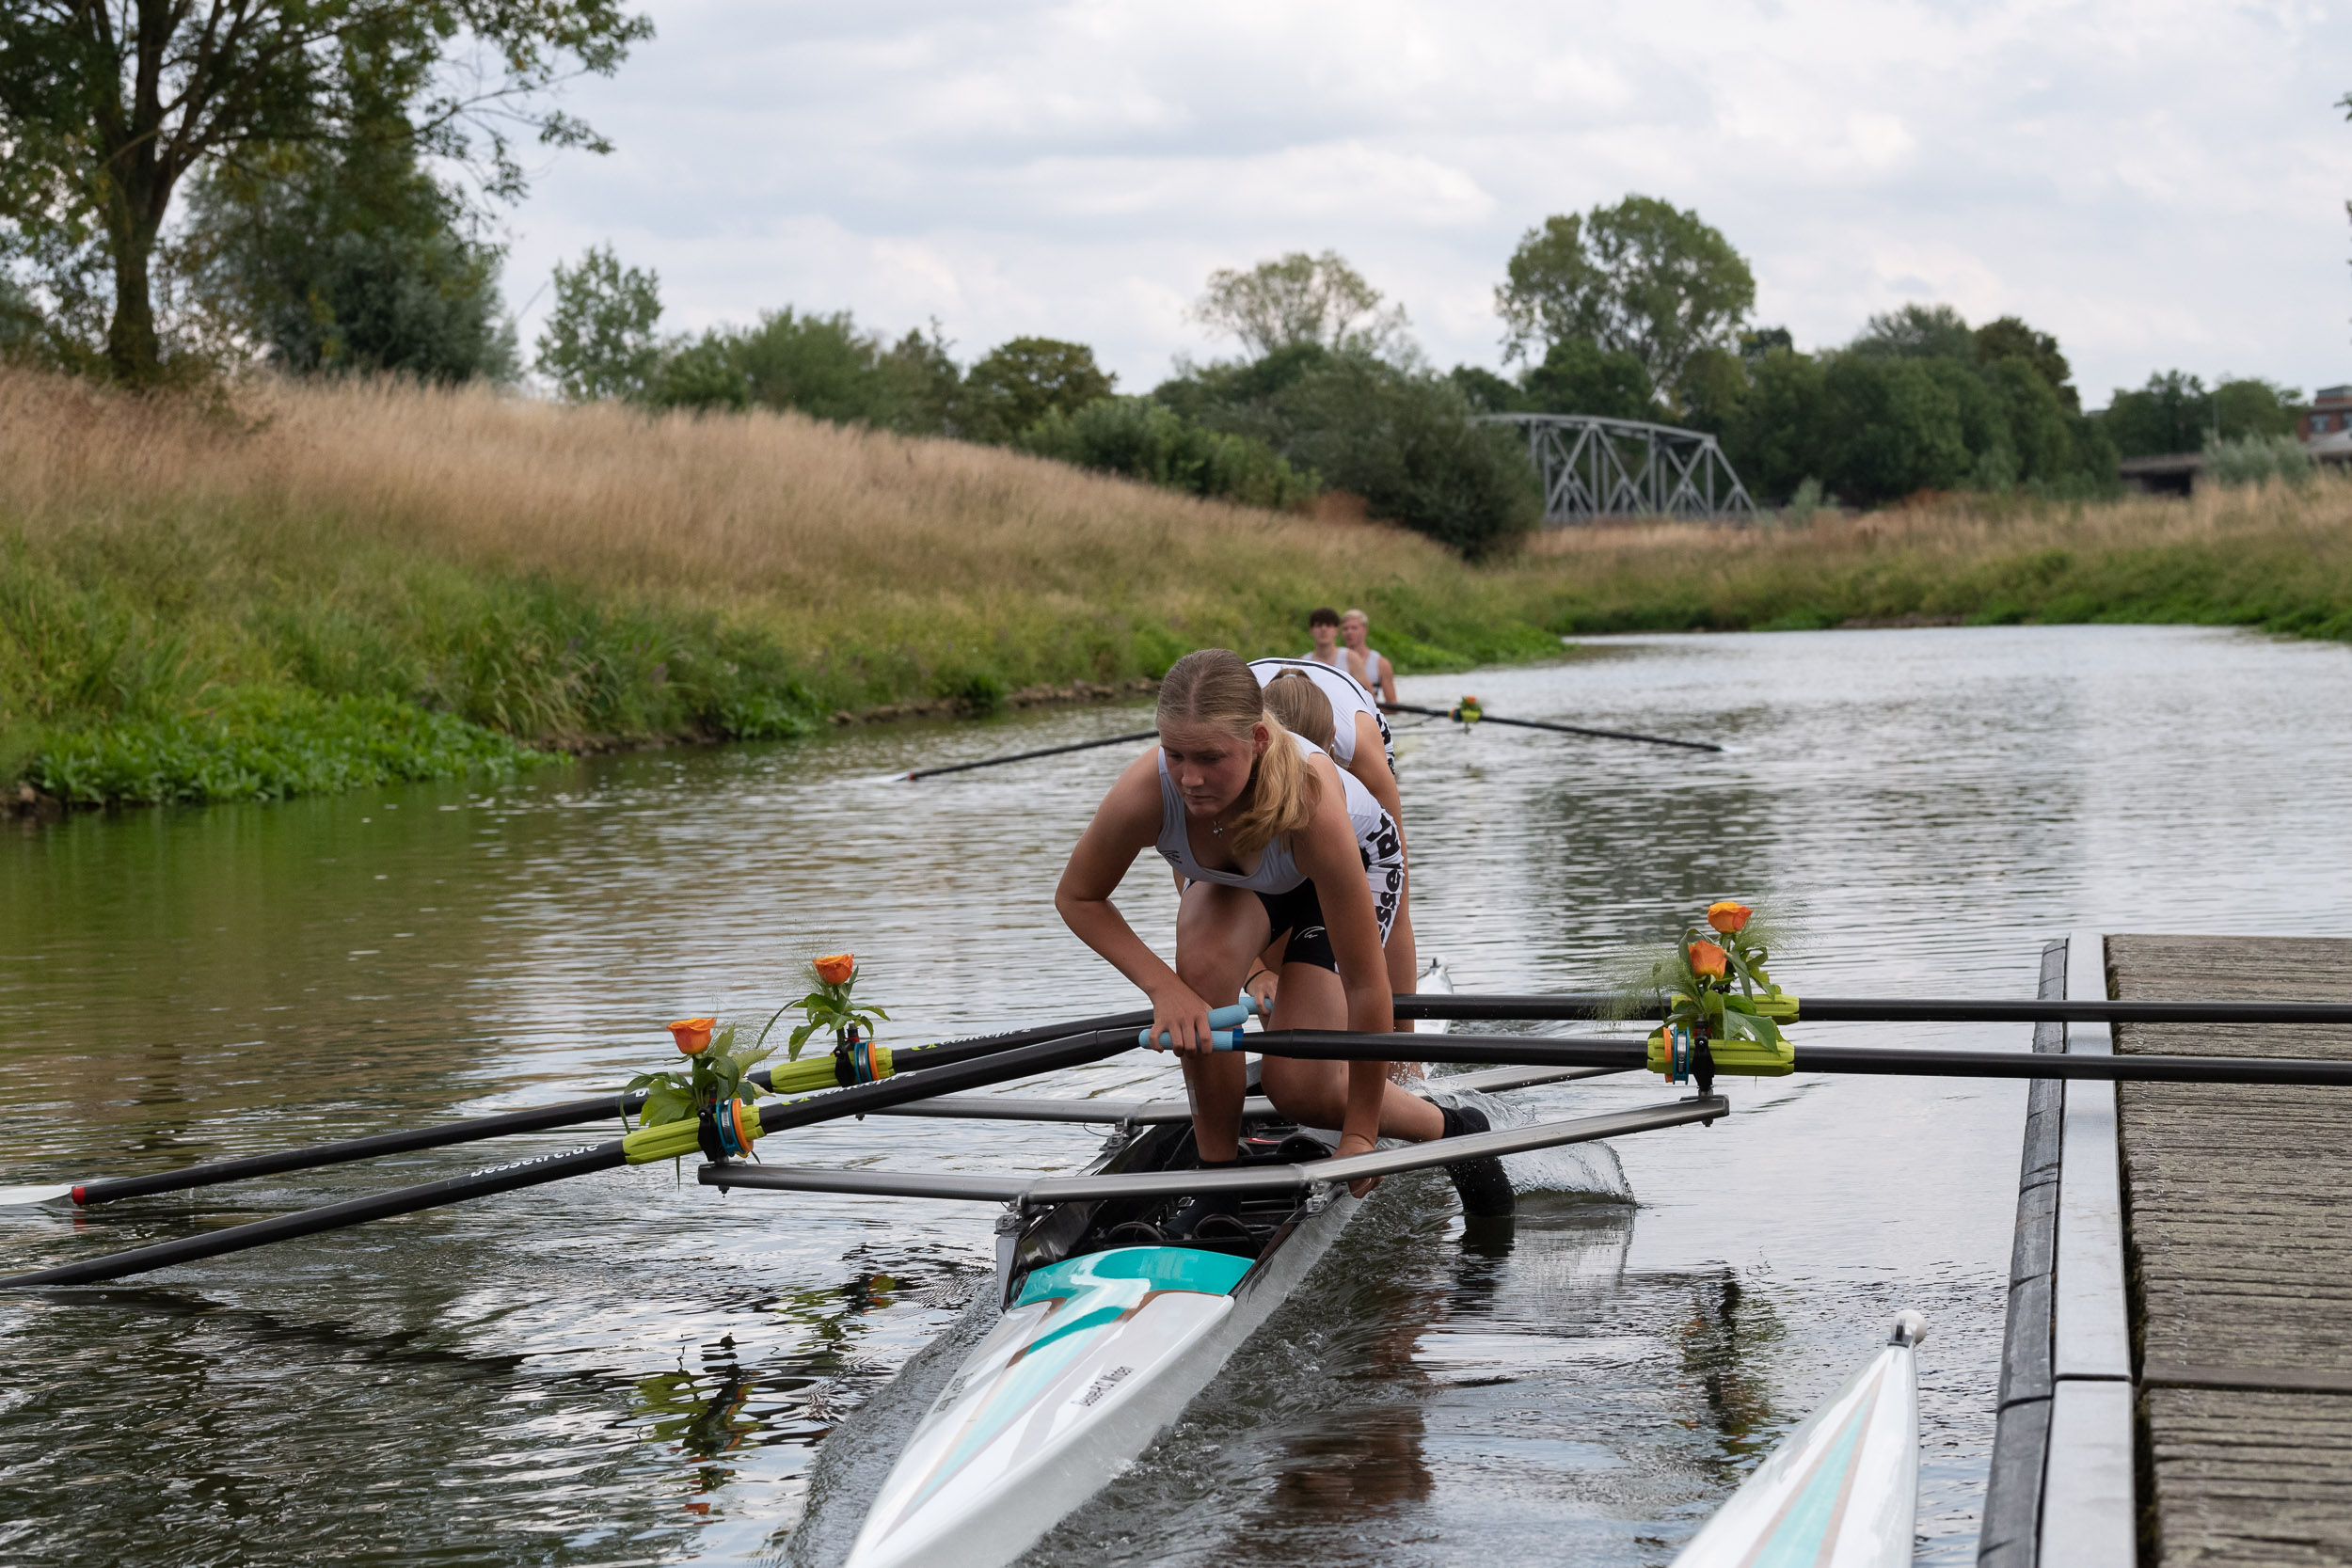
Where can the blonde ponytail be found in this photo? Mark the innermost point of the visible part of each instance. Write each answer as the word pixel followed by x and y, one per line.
pixel 1214 687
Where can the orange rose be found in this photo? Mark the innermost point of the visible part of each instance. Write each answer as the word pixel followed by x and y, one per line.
pixel 1708 959
pixel 837 968
pixel 1728 917
pixel 692 1035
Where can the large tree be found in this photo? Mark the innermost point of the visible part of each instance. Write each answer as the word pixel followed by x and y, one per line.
pixel 1640 276
pixel 1302 299
pixel 107 105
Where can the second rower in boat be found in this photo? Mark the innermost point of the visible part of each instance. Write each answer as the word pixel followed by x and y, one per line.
pixel 1271 839
pixel 1297 697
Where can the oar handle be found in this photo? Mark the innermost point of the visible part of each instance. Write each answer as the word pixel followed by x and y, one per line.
pixel 1224 1022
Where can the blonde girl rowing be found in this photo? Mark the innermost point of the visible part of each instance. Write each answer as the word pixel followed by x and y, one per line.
pixel 1260 825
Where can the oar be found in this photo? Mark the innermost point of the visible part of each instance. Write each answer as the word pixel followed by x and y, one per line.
pixel 1041 752
pixel 1561 1006
pixel 1478 716
pixel 803 1077
pixel 639 1148
pixel 1317 1045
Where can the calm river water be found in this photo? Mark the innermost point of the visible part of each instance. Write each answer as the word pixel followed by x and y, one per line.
pixel 622 1368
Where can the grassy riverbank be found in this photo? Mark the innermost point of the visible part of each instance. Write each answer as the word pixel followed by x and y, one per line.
pixel 320 585
pixel 573 576
pixel 2277 558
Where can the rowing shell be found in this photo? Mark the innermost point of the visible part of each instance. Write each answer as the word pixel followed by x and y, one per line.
pixel 1101 1345
pixel 1843 1490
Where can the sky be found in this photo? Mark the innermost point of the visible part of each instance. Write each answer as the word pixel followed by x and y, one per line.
pixel 2159 183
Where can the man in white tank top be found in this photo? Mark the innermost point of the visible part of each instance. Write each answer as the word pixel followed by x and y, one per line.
pixel 1370 671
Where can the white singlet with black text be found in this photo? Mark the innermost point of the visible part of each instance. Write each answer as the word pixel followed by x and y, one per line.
pixel 1377 843
pixel 1348 698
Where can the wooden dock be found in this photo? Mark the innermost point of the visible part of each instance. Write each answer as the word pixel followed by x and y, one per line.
pixel 2177 1380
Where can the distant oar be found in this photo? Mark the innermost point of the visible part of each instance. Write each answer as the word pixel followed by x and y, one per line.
pixel 538 1119
pixel 1565 1005
pixel 1561 729
pixel 1896 1061
pixel 775 1116
pixel 1041 752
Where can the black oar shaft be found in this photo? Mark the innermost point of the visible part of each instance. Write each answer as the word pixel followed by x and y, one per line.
pixel 1026 756
pixel 332 1216
pixel 1561 729
pixel 539 1118
pixel 1566 1005
pixel 1889 1061
pixel 776 1117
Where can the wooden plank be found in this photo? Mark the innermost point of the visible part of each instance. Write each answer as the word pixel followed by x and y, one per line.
pixel 2252 1478
pixel 2242 1260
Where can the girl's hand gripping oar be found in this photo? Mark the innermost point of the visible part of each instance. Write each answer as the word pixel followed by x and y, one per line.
pixel 803 1077
pixel 1224 1028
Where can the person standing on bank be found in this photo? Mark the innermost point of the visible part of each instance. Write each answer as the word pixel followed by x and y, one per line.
pixel 1271 839
pixel 1369 668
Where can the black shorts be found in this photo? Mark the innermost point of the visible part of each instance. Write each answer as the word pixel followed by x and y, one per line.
pixel 1300 913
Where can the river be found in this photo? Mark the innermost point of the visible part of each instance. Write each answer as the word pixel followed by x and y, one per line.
pixel 627 1368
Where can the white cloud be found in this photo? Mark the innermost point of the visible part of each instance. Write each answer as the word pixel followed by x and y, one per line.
pixel 2157 182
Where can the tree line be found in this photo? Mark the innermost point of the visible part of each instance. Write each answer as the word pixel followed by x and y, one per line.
pixel 188 188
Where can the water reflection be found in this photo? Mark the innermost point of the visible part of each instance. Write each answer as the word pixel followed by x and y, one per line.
pixel 1730 1334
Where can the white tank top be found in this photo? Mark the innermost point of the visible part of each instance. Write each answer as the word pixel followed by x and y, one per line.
pixel 1367 671
pixel 1375 836
pixel 1348 699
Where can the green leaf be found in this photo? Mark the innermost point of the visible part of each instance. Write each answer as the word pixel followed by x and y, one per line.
pixel 667 1103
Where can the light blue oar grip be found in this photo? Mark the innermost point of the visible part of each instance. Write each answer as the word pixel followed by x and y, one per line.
pixel 1219 1018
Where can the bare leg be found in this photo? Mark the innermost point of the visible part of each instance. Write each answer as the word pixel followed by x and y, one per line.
pixel 1314 1094
pixel 1219 929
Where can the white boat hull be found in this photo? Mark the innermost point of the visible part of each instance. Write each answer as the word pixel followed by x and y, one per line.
pixel 1843 1490
pixel 1097 1356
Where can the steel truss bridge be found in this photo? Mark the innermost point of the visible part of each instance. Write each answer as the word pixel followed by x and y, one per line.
pixel 1593 467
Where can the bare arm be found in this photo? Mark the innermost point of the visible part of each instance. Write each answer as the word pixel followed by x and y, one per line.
pixel 1388 681
pixel 1371 767
pixel 1325 852
pixel 1126 824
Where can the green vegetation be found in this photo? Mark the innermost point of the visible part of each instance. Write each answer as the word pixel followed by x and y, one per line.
pixel 351 580
pixel 2277 557
pixel 1639 277
pixel 1139 438
pixel 200 605
pixel 2177 412
pixel 105 115
pixel 268 745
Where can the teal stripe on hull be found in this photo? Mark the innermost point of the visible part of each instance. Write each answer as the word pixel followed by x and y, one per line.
pixel 1160 1268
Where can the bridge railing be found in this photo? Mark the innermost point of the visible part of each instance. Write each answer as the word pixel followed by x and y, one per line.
pixel 1593 467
